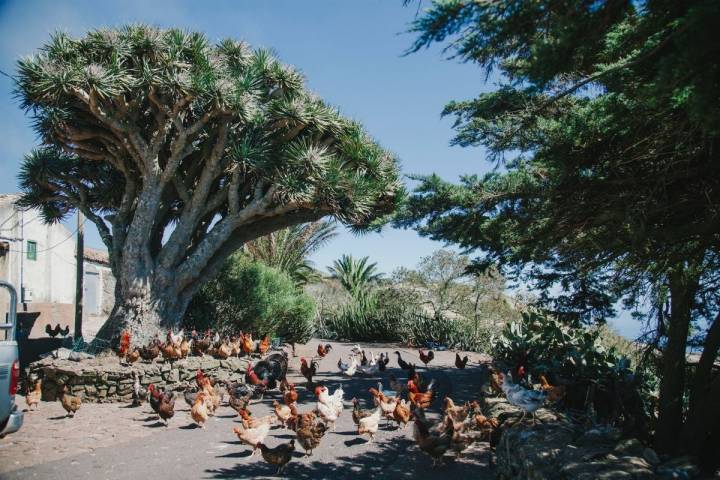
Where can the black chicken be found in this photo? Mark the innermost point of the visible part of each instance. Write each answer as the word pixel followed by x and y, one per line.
pixel 53 332
pixel 383 361
pixel 65 331
pixel 273 369
pixel 402 363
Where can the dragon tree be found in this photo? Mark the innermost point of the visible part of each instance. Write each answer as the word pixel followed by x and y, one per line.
pixel 180 151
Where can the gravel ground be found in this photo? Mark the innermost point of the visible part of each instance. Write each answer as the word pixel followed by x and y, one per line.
pixel 114 441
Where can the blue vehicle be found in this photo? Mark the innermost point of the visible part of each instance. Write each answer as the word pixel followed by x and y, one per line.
pixel 11 418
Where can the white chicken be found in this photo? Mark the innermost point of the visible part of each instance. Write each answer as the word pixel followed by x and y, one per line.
pixel 527 400
pixel 348 369
pixel 369 425
pixel 178 337
pixel 372 368
pixel 252 436
pixel 330 406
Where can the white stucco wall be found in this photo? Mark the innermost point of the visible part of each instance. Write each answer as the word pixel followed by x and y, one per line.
pixel 51 277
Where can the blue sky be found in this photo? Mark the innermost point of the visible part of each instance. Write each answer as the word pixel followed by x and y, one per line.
pixel 351 54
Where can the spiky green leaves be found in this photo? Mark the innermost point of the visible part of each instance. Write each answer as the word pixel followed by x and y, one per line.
pixel 141 99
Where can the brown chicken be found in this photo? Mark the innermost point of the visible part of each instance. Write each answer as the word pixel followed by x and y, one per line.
pixel 460 362
pixel 184 348
pixel 132 356
pixel 235 346
pixel 426 357
pixel 70 403
pixel 402 413
pixel 247 343
pixel 461 439
pixel 309 432
pixel 124 346
pixel 200 346
pixel 238 403
pixel 554 392
pixel 486 425
pixel 308 371
pixel 201 380
pixel 213 397
pixel 264 346
pixel 495 382
pixel 151 351
pixel 290 396
pixel 33 396
pixel 199 410
pixel 223 351
pixel 170 351
pixel 166 409
pixel 420 399
pixel 155 397
pixel 434 444
pixel 280 455
pixel 458 414
pixel 282 412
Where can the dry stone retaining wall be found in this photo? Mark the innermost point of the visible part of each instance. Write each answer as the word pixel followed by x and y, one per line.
pixel 104 379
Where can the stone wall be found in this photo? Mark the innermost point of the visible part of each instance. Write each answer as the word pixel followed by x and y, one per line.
pixel 104 379
pixel 557 448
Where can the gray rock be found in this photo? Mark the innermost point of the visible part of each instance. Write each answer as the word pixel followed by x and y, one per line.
pixel 651 457
pixel 77 356
pixel 172 376
pixel 603 435
pixel 629 446
pixel 680 467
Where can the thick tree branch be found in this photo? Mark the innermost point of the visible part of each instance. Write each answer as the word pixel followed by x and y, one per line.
pixel 261 227
pixel 195 209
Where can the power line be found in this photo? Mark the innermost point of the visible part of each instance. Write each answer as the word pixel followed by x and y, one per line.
pixel 56 245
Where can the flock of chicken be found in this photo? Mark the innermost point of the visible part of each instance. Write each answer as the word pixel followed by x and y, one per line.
pixel 177 346
pixel 404 402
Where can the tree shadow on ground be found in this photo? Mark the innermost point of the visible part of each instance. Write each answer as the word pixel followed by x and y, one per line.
pixel 395 459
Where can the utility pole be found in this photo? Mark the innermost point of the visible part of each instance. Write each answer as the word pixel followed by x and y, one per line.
pixel 79 274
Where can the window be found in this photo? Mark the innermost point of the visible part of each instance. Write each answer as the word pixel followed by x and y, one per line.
pixel 31 250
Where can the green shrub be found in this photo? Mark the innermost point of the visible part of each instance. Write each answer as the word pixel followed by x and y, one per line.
pixel 365 318
pixel 251 296
pixel 389 315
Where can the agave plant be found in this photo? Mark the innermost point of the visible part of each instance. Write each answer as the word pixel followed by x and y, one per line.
pixel 288 249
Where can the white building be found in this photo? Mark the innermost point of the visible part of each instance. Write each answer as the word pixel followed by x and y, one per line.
pixel 39 260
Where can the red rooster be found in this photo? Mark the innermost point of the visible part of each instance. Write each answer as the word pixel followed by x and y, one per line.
pixel 427 357
pixel 201 380
pixel 291 395
pixel 124 344
pixel 323 350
